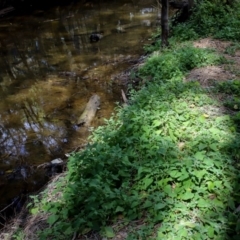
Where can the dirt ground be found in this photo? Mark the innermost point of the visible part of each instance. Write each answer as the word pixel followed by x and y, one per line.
pixel 209 74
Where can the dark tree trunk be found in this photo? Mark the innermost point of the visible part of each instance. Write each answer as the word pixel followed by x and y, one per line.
pixel 190 4
pixel 164 23
pixel 230 2
pixel 184 11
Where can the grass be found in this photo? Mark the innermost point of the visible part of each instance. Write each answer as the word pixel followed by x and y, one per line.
pixel 169 160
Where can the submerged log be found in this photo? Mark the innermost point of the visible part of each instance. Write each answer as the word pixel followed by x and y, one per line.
pixel 53 163
pixel 89 111
pixel 6 11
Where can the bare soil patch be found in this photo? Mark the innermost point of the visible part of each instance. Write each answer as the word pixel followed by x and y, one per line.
pixel 215 44
pixel 209 74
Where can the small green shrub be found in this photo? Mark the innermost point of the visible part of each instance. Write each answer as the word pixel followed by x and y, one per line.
pixel 155 46
pixel 236 119
pixel 233 103
pixel 231 50
pixel 174 63
pixel 18 235
pixel 156 42
pixel 229 87
pixel 182 32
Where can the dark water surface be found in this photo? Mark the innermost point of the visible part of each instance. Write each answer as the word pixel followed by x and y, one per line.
pixel 49 70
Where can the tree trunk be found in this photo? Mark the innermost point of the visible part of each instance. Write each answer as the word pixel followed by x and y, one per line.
pixel 190 4
pixel 164 23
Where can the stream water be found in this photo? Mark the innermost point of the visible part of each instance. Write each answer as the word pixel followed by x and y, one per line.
pixel 49 70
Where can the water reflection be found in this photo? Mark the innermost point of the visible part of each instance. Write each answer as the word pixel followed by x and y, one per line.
pixel 49 70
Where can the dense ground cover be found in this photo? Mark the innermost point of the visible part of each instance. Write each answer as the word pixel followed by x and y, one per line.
pixel 167 165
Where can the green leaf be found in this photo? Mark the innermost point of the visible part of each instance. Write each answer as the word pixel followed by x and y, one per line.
pixel 171 134
pixel 187 195
pixel 168 189
pixel 157 123
pixel 231 204
pixel 188 184
pixel 160 206
pixel 34 211
pixel 69 230
pixel 202 119
pixel 238 226
pixel 202 146
pixel 147 204
pixel 200 174
pixel 184 175
pixel 108 232
pixel 210 231
pixel 199 155
pixel 147 182
pixel 202 203
pixel 119 209
pixel 52 219
pixel 182 233
pixel 214 131
pixel 175 173
pixel 181 118
pixel 218 203
pixel 218 184
pixel 210 185
pixel 189 224
pixel 213 147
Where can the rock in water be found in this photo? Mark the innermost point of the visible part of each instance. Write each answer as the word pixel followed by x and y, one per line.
pixel 96 36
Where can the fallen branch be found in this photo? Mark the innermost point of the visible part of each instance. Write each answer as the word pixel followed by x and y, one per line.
pixel 124 97
pixel 89 111
pixel 7 206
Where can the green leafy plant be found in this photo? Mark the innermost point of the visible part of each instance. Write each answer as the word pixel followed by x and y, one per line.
pixel 172 64
pixel 212 18
pixel 18 235
pixel 233 48
pixel 154 46
pixel 229 87
pixel 233 103
pixel 155 42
